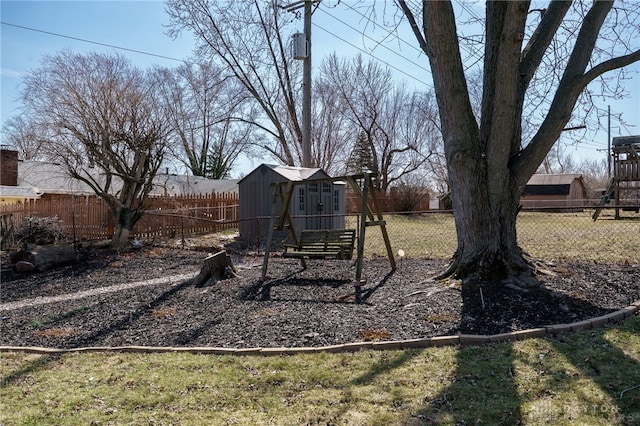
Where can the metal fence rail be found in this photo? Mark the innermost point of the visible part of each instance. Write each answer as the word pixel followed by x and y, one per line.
pixel 549 235
pixel 568 233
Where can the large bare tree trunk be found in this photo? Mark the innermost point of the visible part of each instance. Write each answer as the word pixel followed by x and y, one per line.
pixel 486 231
pixel 484 192
pixel 124 219
pixel 487 162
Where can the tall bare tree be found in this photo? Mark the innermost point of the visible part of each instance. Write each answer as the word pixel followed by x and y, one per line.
pixel 104 124
pixel 208 111
pixel 23 136
pixel 385 113
pixel 595 174
pixel 489 163
pixel 249 39
pixel 333 134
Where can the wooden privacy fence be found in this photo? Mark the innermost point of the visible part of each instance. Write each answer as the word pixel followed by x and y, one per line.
pixel 88 218
pixel 183 215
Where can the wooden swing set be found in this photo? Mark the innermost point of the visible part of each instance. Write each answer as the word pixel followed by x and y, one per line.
pixel 626 172
pixel 328 243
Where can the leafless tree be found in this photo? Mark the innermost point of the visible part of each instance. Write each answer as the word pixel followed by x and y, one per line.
pixel 24 137
pixel 595 174
pixel 207 111
pixel 250 40
pixel 385 112
pixel 537 64
pixel 104 125
pixel 333 134
pixel 409 192
pixel 558 162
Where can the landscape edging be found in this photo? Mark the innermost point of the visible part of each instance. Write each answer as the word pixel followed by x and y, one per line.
pixel 459 339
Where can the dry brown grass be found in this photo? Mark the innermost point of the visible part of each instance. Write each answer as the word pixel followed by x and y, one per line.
pixel 438 318
pixel 163 313
pixel 375 335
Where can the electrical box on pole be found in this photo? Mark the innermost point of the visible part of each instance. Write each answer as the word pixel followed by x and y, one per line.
pixel 300 46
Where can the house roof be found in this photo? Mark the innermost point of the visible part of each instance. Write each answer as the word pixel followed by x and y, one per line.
pixel 174 184
pixel 553 179
pixel 18 192
pixel 49 178
pixel 52 178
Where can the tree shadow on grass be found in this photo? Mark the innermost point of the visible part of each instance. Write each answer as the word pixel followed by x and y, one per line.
pixel 28 368
pixel 486 388
pixel 482 390
pixel 606 364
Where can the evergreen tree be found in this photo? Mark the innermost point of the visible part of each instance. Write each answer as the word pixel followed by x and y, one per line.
pixel 361 157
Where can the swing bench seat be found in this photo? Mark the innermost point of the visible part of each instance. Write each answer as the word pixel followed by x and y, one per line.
pixel 323 244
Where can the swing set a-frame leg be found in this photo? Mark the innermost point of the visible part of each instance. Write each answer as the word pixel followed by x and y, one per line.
pixel 284 216
pixel 367 219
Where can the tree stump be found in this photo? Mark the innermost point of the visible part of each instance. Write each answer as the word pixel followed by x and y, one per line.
pixel 46 257
pixel 216 267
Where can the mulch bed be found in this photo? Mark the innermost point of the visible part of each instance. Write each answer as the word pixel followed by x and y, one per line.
pixel 314 307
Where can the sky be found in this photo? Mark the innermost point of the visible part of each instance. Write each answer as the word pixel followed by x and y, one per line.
pixel 32 29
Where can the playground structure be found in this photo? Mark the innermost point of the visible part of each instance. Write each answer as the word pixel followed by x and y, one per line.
pixel 331 243
pixel 625 152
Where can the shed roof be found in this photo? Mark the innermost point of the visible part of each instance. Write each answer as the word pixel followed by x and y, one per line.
pixel 553 179
pixel 296 173
pixel 290 173
pixel 626 140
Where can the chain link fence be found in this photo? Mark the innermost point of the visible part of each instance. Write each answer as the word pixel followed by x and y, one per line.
pixel 549 235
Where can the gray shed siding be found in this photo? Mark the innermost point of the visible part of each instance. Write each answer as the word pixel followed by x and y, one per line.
pixel 308 200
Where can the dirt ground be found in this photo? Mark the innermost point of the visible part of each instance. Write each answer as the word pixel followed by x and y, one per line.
pixel 144 298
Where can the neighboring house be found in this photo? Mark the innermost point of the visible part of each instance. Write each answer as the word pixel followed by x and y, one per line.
pixel 175 184
pixel 318 205
pixel 50 179
pixel 441 202
pixel 17 194
pixel 553 191
pixel 35 179
pixel 11 189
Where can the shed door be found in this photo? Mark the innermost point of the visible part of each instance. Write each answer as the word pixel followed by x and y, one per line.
pixel 319 206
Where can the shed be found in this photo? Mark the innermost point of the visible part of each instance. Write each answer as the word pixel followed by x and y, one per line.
pixel 313 206
pixel 553 190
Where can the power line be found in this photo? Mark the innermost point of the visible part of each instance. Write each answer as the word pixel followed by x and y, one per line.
pixel 377 42
pixel 369 54
pixel 92 42
pixel 473 53
pixel 411 45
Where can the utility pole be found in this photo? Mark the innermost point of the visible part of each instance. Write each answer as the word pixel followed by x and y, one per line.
pixel 303 52
pixel 306 90
pixel 609 142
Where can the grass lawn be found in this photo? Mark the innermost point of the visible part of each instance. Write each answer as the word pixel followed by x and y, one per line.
pixel 559 381
pixel 572 236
